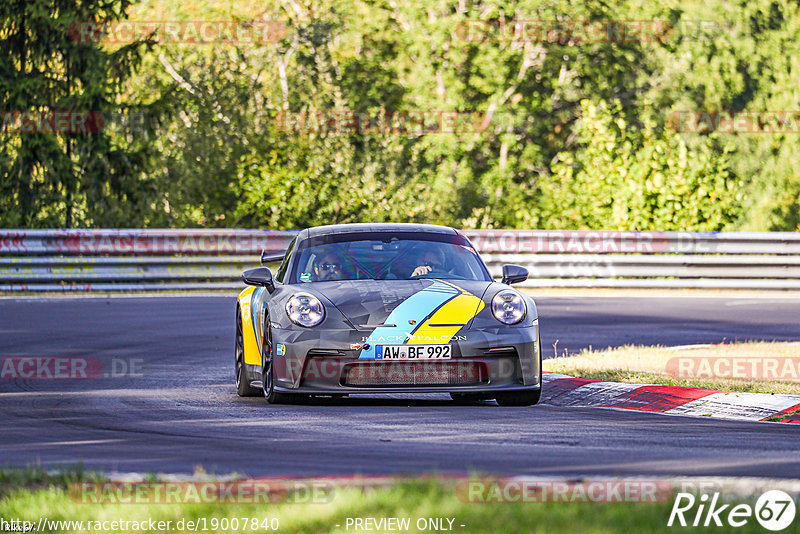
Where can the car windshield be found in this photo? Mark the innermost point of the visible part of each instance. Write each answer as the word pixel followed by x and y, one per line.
pixel 386 256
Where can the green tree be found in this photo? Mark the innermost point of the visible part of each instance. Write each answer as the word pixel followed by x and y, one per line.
pixel 381 59
pixel 68 177
pixel 222 160
pixel 649 181
pixel 735 56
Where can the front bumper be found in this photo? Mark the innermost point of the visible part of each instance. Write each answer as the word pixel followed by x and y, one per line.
pixel 485 361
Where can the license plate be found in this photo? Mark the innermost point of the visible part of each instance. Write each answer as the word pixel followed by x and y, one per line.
pixel 412 352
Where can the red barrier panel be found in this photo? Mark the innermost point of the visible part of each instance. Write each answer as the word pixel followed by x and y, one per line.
pixel 143 242
pixel 224 241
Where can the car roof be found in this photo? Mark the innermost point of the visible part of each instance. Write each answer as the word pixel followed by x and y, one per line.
pixel 352 228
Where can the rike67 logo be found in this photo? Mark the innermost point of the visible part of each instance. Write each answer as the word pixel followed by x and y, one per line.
pixel 774 510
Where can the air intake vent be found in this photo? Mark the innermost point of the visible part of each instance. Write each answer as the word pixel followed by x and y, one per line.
pixel 391 374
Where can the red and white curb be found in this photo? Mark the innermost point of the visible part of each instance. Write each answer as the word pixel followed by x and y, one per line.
pixel 563 390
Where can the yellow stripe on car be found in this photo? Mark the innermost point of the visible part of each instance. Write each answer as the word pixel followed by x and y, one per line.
pixel 251 353
pixel 451 317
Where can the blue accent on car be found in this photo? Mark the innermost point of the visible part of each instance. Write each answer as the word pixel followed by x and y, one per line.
pixel 415 308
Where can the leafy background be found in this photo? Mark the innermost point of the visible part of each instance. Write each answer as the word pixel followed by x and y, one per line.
pixel 577 132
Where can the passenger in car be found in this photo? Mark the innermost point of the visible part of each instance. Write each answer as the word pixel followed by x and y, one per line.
pixel 432 261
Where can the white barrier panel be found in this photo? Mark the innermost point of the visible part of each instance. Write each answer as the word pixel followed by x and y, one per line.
pixel 165 242
pixel 131 259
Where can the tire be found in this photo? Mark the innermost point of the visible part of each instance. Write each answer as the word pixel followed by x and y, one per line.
pixel 524 398
pixel 267 375
pixel 242 382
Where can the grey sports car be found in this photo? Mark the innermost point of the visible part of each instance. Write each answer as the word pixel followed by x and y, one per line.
pixel 386 308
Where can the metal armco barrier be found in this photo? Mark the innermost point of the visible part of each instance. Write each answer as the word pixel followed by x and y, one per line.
pixel 108 260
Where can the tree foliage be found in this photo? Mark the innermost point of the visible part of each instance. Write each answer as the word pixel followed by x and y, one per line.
pixel 654 183
pixel 88 169
pixel 565 130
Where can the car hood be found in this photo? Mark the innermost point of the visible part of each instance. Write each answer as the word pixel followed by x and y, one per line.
pixel 370 303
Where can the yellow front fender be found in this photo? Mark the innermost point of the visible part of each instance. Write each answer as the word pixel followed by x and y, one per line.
pixel 252 354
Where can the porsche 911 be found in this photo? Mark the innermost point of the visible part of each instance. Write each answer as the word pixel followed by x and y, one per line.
pixel 385 308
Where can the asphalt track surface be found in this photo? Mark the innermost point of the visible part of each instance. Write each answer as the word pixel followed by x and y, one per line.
pixel 183 411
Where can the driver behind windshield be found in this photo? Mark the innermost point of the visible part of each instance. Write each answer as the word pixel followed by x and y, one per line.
pixel 432 260
pixel 329 267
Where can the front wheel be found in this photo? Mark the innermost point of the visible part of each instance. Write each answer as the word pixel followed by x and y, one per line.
pixel 242 382
pixel 267 372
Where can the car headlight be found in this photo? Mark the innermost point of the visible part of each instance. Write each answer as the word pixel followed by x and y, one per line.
pixel 508 307
pixel 305 309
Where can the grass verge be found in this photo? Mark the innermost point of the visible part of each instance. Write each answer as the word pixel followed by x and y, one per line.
pixel 36 495
pixel 749 367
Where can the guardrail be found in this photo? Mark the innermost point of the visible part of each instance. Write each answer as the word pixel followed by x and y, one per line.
pixel 108 260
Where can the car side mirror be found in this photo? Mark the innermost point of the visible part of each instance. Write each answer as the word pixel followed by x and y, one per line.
pixel 260 276
pixel 514 273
